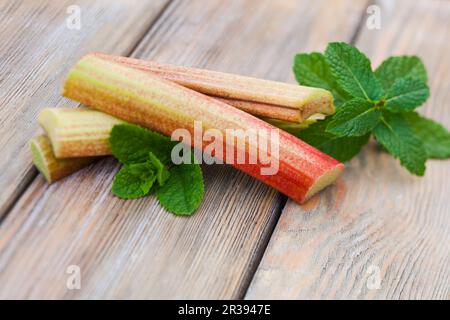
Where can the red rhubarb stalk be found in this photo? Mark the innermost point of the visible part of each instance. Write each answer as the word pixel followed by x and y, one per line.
pixel 263 98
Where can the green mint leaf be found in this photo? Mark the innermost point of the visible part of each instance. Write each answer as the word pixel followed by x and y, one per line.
pixel 356 117
pixel 312 69
pixel 162 174
pixel 183 191
pixel 133 181
pixel 435 137
pixel 394 133
pixel 400 67
pixel 344 148
pixel 352 71
pixel 406 94
pixel 340 148
pixel 132 144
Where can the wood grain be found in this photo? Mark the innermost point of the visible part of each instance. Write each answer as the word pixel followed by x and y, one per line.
pixel 378 217
pixel 36 50
pixel 133 249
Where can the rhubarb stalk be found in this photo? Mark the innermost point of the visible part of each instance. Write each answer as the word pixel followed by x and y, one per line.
pixel 259 97
pixel 146 99
pixel 52 168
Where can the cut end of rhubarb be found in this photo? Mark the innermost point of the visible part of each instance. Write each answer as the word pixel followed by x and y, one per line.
pixel 48 120
pixel 39 146
pixel 325 180
pixel 319 101
pixel 51 168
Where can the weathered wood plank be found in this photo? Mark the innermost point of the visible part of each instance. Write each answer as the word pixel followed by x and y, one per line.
pixel 133 249
pixel 36 50
pixel 378 217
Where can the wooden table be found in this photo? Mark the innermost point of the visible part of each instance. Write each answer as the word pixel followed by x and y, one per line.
pixel 377 233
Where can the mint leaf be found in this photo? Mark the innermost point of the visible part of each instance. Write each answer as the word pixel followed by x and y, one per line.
pixel 394 133
pixel 352 71
pixel 406 94
pixel 435 137
pixel 162 174
pixel 340 148
pixel 183 191
pixel 344 148
pixel 355 118
pixel 133 181
pixel 312 69
pixel 132 144
pixel 400 67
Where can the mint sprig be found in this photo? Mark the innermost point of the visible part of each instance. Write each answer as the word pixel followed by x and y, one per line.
pixel 435 138
pixel 183 191
pixel 397 67
pixel 396 136
pixel 132 144
pixel 134 180
pixel 356 118
pixel 353 72
pixel 372 103
pixel 406 94
pixel 313 70
pixel 341 148
pixel 147 167
pixel 161 171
